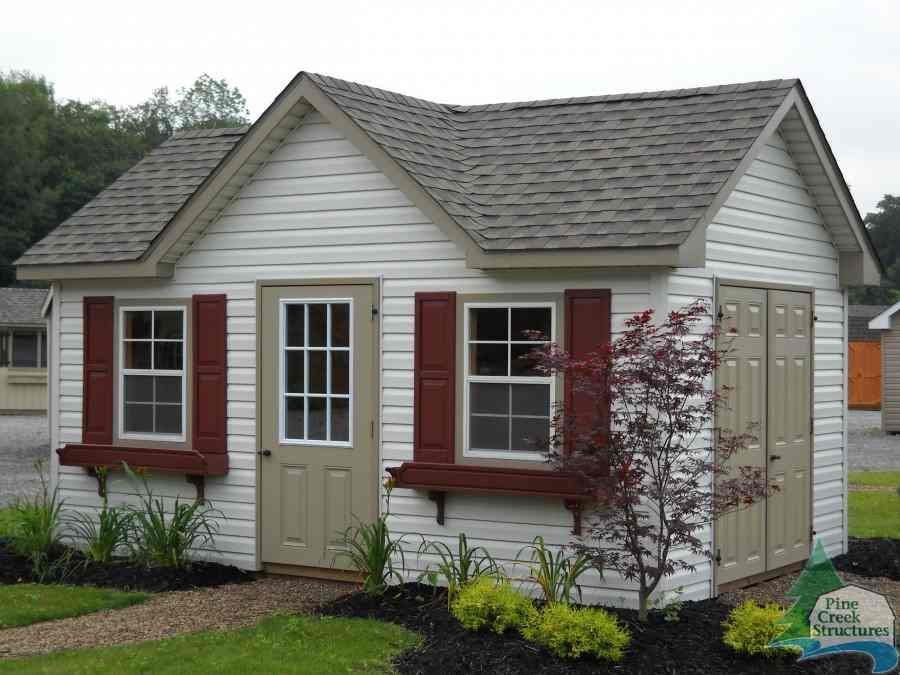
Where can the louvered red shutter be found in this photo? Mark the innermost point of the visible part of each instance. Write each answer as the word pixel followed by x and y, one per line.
pixel 588 327
pixel 97 403
pixel 210 372
pixel 434 420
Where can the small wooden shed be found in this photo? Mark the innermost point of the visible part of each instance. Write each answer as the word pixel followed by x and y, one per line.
pixel 864 352
pixel 23 351
pixel 888 326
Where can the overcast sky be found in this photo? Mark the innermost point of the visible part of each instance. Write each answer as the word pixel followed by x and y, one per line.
pixel 847 52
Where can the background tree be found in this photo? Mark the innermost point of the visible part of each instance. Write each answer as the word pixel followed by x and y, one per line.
pixel 884 228
pixel 644 446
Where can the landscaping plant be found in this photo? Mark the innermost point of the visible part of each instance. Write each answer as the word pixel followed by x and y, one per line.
pixel 106 535
pixel 750 628
pixel 460 568
pixel 555 574
pixel 489 602
pixel 35 529
pixel 638 432
pixel 571 632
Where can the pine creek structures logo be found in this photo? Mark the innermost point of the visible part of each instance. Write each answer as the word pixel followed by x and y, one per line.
pixel 831 617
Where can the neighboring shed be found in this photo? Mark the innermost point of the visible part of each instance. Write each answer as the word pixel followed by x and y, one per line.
pixel 23 350
pixel 864 351
pixel 887 326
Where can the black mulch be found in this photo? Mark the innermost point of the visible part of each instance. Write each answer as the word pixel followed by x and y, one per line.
pixel 871 558
pixel 693 644
pixel 79 571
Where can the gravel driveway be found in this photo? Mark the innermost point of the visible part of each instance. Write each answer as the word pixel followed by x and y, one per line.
pixel 870 449
pixel 23 439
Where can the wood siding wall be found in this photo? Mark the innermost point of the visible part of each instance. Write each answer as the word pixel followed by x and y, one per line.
pixel 23 390
pixel 890 377
pixel 864 376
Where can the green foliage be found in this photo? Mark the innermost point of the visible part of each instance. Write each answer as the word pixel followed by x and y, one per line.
pixel 884 229
pixel 492 603
pixel 168 540
pixel 35 527
pixel 555 574
pixel 279 644
pixel 460 568
pixel 571 632
pixel 750 628
pixel 24 604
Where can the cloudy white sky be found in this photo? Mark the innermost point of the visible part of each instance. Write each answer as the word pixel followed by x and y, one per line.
pixel 847 53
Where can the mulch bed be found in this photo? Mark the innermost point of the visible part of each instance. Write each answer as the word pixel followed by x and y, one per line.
pixel 121 574
pixel 871 558
pixel 690 645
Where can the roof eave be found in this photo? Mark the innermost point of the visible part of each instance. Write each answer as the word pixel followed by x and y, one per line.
pixel 115 270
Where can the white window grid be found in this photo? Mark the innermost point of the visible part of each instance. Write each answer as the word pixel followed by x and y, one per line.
pixel 528 455
pixel 328 348
pixel 123 371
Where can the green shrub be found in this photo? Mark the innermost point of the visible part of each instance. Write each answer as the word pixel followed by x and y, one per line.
pixel 556 575
pixel 458 569
pixel 106 535
pixel 750 628
pixel 570 632
pixel 35 529
pixel 492 603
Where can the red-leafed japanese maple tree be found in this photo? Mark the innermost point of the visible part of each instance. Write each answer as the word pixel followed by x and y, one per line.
pixel 641 437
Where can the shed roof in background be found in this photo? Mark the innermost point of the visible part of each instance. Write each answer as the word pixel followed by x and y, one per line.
pixel 22 306
pixel 858 317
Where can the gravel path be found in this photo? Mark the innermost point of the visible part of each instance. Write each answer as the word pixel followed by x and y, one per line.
pixel 870 449
pixel 170 614
pixel 23 439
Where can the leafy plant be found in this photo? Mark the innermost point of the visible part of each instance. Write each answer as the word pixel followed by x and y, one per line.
pixel 492 603
pixel 555 574
pixel 159 539
pixel 460 568
pixel 750 628
pixel 570 632
pixel 35 529
pixel 109 533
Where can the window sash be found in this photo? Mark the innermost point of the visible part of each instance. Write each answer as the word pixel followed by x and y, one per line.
pixel 12 352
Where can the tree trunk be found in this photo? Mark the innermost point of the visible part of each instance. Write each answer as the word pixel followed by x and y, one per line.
pixel 643 605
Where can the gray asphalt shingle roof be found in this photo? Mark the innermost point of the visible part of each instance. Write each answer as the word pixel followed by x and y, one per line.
pixel 583 173
pixel 21 306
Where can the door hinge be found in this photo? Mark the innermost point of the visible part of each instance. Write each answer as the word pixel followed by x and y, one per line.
pixel 718 557
pixel 372 429
pixel 721 314
pixel 374 312
pixel 812 533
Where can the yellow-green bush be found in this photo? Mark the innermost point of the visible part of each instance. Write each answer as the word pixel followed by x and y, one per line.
pixel 491 603
pixel 571 632
pixel 750 628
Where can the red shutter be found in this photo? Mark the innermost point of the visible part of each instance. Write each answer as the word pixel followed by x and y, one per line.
pixel 210 374
pixel 434 420
pixel 588 327
pixel 97 403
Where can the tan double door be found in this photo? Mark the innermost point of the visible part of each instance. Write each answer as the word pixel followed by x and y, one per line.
pixel 768 370
pixel 316 415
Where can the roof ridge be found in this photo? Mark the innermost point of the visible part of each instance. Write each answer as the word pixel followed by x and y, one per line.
pixel 208 132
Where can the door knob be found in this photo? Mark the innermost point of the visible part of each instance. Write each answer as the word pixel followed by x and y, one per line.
pixel 264 452
pixel 774 458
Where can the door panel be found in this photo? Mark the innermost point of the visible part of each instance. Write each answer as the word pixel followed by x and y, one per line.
pixel 316 417
pixel 740 536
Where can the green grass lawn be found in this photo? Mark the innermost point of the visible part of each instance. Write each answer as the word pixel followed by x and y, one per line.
pixel 280 644
pixel 23 604
pixel 875 513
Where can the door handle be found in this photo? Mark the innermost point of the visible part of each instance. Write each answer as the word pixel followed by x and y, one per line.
pixel 774 458
pixel 264 452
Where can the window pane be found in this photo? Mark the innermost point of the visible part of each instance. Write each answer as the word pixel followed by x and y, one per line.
pixel 317 372
pixel 168 325
pixel 24 350
pixel 137 325
pixel 488 323
pixel 139 388
pixel 317 325
pixel 489 398
pixel 139 417
pixel 527 319
pixel 137 355
pixel 488 359
pixel 43 363
pixel 316 428
pixel 294 325
pixel 293 418
pixel 489 433
pixel 168 419
pixel 523 362
pixel 167 355
pixel 340 325
pixel 168 389
pixel 293 375
pixel 530 435
pixel 340 419
pixel 531 399
pixel 340 372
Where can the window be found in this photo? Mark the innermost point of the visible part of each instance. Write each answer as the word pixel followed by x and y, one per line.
pixel 28 349
pixel 316 372
pixel 152 385
pixel 508 403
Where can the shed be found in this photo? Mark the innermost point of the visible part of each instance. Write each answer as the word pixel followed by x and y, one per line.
pixel 284 312
pixel 864 351
pixel 887 326
pixel 23 350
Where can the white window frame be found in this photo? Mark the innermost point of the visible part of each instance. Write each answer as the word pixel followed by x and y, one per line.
pixel 468 378
pixel 133 435
pixel 328 349
pixel 40 361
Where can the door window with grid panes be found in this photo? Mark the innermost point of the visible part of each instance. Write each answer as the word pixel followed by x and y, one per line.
pixel 508 402
pixel 316 372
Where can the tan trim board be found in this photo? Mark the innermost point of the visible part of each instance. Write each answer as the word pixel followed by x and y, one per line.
pixel 328 573
pixel 120 270
pixel 743 283
pixel 762 576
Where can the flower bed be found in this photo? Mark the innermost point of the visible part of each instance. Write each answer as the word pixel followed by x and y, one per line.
pixel 871 558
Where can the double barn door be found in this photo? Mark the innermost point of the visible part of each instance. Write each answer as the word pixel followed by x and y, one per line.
pixel 768 371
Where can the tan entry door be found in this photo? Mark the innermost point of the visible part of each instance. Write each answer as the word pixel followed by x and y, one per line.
pixel 769 372
pixel 316 416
